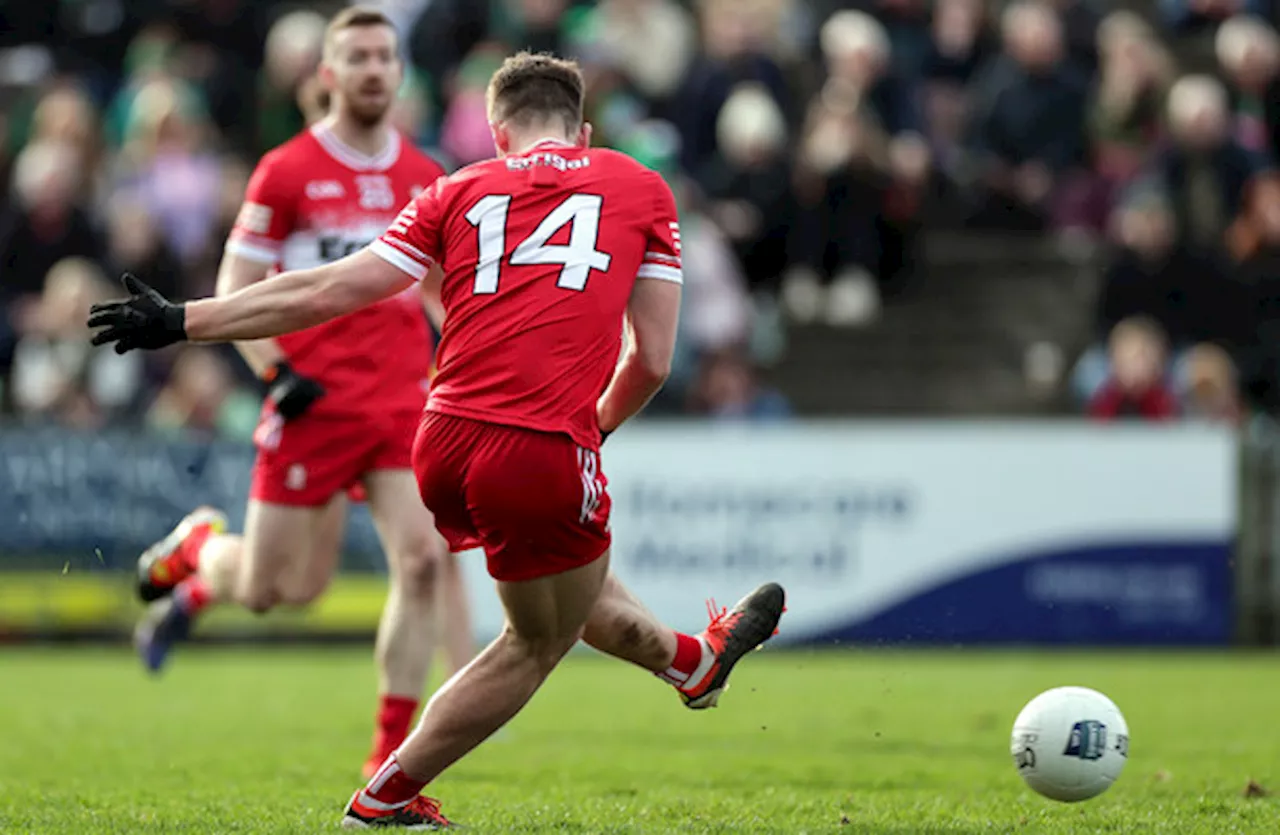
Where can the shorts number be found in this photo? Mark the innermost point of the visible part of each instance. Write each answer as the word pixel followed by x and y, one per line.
pixel 577 258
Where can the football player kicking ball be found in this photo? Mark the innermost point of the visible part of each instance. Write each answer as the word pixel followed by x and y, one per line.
pixel 344 398
pixel 546 251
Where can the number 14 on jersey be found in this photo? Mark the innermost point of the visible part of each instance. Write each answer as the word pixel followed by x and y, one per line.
pixel 577 258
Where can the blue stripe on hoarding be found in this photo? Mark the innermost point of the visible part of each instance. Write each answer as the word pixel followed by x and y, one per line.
pixel 1147 593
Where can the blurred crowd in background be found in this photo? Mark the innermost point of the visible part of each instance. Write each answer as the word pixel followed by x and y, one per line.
pixel 809 142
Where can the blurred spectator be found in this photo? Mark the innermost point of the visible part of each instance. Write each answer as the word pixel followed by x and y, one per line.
pixel 66 115
pixel 959 46
pixel 652 42
pixel 136 246
pixel 906 22
pixel 735 50
pixel 413 113
pixel 464 132
pixel 1080 22
pixel 1136 387
pixel 1255 244
pixel 1191 16
pixel 46 221
pixel 202 397
pixel 749 185
pixel 289 94
pixel 1125 109
pixel 727 389
pixel 1188 295
pixel 862 164
pixel 57 374
pixel 1212 392
pixel 536 25
pixel 166 165
pixel 1248 51
pixel 1204 171
pixel 1027 131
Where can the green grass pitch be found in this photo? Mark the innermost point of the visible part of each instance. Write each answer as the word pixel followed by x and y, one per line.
pixel 889 743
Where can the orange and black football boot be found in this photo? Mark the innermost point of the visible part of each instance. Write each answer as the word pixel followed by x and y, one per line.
pixel 730 635
pixel 422 814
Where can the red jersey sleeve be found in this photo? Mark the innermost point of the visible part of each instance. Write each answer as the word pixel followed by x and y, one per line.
pixel 267 215
pixel 662 252
pixel 412 241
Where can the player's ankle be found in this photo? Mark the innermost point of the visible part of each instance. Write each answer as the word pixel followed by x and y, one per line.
pixel 689 655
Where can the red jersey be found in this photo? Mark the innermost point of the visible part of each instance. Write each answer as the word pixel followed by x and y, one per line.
pixel 540 253
pixel 312 201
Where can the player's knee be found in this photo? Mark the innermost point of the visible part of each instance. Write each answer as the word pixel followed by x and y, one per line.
pixel 545 649
pixel 416 567
pixel 257 600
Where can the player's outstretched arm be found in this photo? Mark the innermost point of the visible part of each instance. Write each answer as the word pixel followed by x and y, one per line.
pixel 294 301
pixel 653 313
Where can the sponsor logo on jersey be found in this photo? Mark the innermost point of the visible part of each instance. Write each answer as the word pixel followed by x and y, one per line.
pixel 548 159
pixel 376 192
pixel 254 218
pixel 333 247
pixel 325 190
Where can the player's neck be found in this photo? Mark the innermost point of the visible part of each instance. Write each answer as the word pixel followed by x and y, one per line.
pixel 370 140
pixel 526 142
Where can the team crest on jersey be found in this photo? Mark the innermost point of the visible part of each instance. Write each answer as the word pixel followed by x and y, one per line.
pixel 296 477
pixel 376 193
pixel 325 190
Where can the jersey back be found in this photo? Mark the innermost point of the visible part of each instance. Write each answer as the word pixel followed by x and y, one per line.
pixel 314 200
pixel 540 253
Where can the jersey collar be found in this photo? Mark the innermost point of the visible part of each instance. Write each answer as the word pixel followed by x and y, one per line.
pixel 352 158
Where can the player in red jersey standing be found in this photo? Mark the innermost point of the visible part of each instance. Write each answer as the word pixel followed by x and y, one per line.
pixel 345 396
pixel 546 252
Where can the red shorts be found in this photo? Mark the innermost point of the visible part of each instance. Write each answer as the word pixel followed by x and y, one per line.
pixel 536 501
pixel 309 460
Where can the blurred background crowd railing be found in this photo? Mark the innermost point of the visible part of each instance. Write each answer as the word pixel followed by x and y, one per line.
pixel 894 206
pixel 889 207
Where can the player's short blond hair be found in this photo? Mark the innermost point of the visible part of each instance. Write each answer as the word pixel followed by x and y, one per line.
pixel 353 17
pixel 535 87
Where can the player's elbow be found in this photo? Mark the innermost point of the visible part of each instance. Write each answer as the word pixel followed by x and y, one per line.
pixel 654 365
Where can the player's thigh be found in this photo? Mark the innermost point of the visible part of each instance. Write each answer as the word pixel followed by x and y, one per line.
pixel 278 540
pixel 539 502
pixel 307 577
pixel 404 524
pixel 549 613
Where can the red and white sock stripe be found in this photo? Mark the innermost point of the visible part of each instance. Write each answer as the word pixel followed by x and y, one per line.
pixel 385 784
pixel 685 680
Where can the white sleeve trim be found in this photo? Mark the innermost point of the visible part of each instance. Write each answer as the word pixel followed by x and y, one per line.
pixel 253 252
pixel 398 259
pixel 672 274
pixel 662 257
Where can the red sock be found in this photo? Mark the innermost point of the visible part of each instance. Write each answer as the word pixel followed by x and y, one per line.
pixel 391 786
pixel 192 595
pixel 187 554
pixel 688 658
pixel 395 717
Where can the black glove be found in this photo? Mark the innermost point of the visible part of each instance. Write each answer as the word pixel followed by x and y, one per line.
pixel 604 435
pixel 291 393
pixel 145 320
